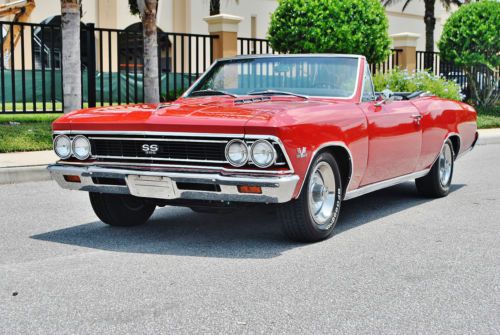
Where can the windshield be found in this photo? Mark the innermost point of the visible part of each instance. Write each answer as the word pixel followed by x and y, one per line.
pixel 307 76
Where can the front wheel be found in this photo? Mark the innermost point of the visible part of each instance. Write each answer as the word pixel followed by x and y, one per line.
pixel 436 183
pixel 121 210
pixel 314 214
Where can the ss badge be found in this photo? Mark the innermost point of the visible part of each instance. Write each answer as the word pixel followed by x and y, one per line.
pixel 150 149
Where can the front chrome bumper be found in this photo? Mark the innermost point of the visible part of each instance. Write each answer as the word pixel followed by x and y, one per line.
pixel 166 185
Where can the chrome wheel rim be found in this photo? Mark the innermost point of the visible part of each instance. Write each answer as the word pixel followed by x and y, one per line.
pixel 322 196
pixel 445 165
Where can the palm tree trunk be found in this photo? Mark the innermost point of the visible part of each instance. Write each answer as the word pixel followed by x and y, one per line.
pixel 147 8
pixel 430 25
pixel 71 59
pixel 214 7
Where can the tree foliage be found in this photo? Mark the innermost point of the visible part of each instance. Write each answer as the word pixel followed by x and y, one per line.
pixel 331 26
pixel 471 38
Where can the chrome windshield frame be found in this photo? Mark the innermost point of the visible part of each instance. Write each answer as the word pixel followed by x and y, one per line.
pixel 243 57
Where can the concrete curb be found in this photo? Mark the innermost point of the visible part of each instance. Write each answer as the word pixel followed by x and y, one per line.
pixel 488 139
pixel 22 174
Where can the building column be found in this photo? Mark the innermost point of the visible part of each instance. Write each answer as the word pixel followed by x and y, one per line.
pixel 225 27
pixel 407 42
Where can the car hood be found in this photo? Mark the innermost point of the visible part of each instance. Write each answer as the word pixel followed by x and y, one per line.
pixel 204 115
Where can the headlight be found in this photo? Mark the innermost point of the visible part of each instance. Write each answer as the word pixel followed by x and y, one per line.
pixel 62 146
pixel 81 147
pixel 237 153
pixel 263 154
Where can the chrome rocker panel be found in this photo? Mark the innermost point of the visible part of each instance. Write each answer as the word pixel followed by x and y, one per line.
pixel 275 189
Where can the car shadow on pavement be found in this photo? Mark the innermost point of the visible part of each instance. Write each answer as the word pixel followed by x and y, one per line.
pixel 247 233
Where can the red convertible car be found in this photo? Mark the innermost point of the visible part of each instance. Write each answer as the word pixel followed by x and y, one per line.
pixel 305 132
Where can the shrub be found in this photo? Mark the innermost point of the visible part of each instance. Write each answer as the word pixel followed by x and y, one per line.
pixel 331 26
pixel 471 39
pixel 402 81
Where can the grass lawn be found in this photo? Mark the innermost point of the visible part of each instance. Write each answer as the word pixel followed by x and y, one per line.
pixel 488 118
pixel 29 132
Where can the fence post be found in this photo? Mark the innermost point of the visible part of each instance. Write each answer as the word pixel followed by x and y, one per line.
pixel 225 27
pixel 407 43
pixel 91 65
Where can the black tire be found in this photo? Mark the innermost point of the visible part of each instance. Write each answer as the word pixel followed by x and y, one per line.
pixel 121 210
pixel 432 184
pixel 298 222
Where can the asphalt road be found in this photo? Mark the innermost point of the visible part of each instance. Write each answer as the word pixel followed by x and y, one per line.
pixel 398 264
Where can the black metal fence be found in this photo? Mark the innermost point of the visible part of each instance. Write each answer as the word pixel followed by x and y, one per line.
pixel 254 46
pixel 31 73
pixel 30 69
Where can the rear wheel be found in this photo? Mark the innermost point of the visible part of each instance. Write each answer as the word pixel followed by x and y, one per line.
pixel 436 183
pixel 121 210
pixel 314 214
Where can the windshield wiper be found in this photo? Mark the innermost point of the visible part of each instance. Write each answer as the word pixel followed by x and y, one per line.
pixel 273 92
pixel 212 92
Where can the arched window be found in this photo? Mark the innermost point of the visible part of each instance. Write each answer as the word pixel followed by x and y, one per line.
pixel 47 44
pixel 131 48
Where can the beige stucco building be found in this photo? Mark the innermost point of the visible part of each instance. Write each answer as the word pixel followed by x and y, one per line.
pixel 187 15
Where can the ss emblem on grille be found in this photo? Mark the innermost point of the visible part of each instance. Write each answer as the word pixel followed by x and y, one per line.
pixel 150 149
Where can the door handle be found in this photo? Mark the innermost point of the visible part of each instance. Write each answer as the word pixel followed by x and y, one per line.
pixel 417 118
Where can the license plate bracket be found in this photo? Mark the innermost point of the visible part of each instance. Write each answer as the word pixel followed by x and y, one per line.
pixel 157 187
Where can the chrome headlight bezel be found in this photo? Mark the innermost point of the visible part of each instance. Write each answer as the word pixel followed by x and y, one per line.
pixel 272 150
pixel 55 146
pixel 245 155
pixel 74 150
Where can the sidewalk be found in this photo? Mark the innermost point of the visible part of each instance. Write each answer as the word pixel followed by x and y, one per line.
pixel 21 167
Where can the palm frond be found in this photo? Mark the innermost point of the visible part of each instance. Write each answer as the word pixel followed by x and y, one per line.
pixel 406 5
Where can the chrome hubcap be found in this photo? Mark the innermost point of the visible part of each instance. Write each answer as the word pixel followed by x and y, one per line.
pixel 322 195
pixel 445 165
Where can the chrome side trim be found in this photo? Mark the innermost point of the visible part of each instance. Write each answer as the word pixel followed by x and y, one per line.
pixel 442 146
pixel 330 144
pixel 383 184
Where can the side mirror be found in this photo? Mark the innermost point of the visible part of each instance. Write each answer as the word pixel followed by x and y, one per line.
pixel 386 97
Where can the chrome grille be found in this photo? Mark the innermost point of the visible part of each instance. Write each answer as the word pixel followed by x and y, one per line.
pixel 172 150
pixel 168 149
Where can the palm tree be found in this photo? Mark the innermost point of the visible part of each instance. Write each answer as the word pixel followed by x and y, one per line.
pixel 146 9
pixel 71 60
pixel 214 7
pixel 429 17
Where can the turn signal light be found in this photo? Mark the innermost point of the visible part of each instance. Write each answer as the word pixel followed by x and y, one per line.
pixel 72 179
pixel 250 189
